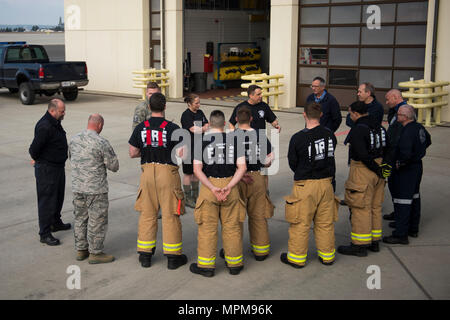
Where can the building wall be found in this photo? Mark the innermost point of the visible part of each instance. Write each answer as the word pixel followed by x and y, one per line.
pixel 203 26
pixel 112 37
pixel 443 51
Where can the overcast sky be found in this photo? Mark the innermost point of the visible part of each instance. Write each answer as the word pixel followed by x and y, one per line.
pixel 31 11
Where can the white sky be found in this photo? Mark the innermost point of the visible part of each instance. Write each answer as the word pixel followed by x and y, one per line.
pixel 31 11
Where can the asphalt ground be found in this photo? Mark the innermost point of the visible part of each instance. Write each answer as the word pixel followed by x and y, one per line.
pixel 32 270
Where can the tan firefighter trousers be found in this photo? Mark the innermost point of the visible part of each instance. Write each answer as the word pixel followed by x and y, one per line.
pixel 259 209
pixel 160 187
pixel 364 195
pixel 231 213
pixel 311 200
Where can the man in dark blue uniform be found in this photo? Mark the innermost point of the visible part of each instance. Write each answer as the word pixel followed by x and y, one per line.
pixel 49 153
pixel 394 100
pixel 366 94
pixel 331 112
pixel 411 148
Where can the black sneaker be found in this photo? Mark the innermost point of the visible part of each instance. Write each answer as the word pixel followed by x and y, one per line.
pixel 49 240
pixel 389 216
pixel 60 226
pixel 284 259
pixel 206 272
pixel 353 250
pixel 176 261
pixel 395 240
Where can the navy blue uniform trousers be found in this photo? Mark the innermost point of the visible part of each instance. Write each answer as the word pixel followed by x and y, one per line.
pixel 406 198
pixel 50 185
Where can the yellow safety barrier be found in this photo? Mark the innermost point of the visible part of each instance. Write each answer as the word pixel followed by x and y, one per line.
pixel 263 80
pixel 426 97
pixel 151 75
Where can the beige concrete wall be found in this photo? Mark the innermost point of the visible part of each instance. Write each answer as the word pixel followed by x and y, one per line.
pixel 174 46
pixel 443 50
pixel 112 36
pixel 284 47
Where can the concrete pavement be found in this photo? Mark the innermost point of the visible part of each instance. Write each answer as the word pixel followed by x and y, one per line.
pixel 31 270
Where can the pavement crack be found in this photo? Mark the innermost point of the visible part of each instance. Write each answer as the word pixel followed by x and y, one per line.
pixel 411 275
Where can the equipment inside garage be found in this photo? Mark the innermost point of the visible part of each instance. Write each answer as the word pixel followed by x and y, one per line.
pixel 224 40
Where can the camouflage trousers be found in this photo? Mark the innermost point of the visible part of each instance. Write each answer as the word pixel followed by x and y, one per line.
pixel 91 221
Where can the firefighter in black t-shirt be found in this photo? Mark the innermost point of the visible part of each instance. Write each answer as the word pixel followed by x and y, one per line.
pixel 219 168
pixel 364 188
pixel 311 157
pixel 194 120
pixel 261 112
pixel 258 154
pixel 160 186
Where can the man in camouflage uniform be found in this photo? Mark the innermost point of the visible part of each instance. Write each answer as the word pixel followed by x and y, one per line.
pixel 90 155
pixel 142 111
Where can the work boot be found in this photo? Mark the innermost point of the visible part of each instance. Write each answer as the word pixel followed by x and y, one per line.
pixel 375 246
pixel 49 240
pixel 285 260
pixel 187 196
pixel 175 261
pixel 206 272
pixel 325 263
pixel 353 250
pixel 389 216
pixel 59 226
pixel 145 258
pixel 82 254
pixel 100 258
pixel 235 270
pixel 395 240
pixel 392 224
pixel 260 258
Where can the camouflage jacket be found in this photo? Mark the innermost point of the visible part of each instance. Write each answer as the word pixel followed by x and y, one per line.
pixel 141 113
pixel 90 155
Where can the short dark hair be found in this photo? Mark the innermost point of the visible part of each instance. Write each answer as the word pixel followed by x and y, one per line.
pixel 369 87
pixel 157 102
pixel 152 85
pixel 217 119
pixel 322 80
pixel 252 88
pixel 359 107
pixel 244 114
pixel 313 110
pixel 189 99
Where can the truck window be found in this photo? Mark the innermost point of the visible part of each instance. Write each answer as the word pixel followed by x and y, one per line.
pixel 25 54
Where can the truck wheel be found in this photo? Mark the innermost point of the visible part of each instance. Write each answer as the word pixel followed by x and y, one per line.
pixel 13 90
pixel 26 93
pixel 70 95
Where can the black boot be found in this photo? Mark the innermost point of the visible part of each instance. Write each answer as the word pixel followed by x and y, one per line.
pixel 284 259
pixel 353 250
pixel 59 226
pixel 395 240
pixel 145 258
pixel 49 240
pixel 389 216
pixel 260 258
pixel 235 270
pixel 175 261
pixel 206 272
pixel 375 246
pixel 325 263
